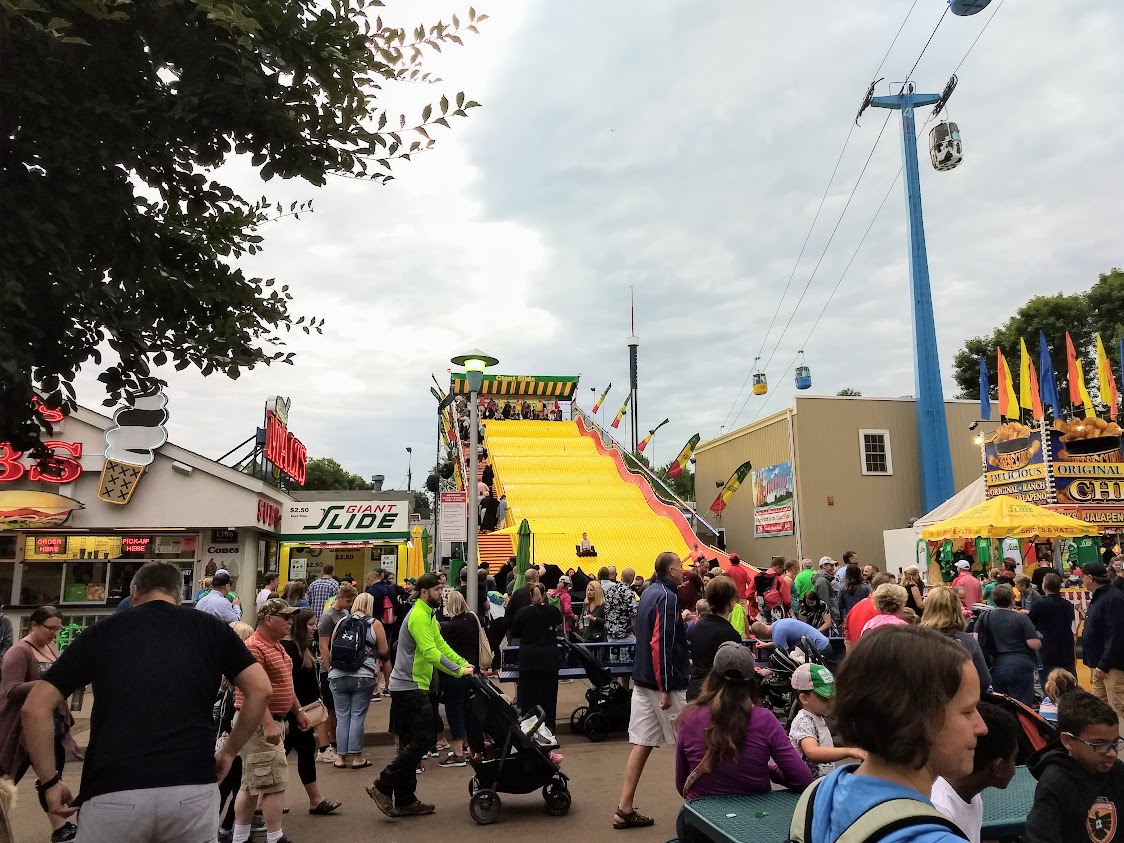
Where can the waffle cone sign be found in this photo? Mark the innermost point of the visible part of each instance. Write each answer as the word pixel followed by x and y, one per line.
pixel 118 481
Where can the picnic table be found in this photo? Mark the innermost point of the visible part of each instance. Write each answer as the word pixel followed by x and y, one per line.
pixel 765 817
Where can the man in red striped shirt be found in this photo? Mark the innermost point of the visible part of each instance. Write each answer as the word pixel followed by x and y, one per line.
pixel 265 770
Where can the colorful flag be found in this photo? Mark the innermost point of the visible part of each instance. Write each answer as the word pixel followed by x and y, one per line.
pixel 620 413
pixel 1029 399
pixel 1048 386
pixel 985 391
pixel 680 464
pixel 1008 401
pixel 1105 380
pixel 723 499
pixel 651 433
pixel 1078 394
pixel 597 406
pixel 433 391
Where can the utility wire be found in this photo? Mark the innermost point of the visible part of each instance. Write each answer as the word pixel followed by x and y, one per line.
pixel 807 237
pixel 823 310
pixel 839 221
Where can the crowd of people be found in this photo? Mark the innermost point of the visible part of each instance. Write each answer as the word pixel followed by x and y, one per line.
pixel 301 682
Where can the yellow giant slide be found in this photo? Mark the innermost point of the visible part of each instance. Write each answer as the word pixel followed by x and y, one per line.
pixel 559 478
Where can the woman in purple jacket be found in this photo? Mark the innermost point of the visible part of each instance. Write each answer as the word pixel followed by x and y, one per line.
pixel 727 743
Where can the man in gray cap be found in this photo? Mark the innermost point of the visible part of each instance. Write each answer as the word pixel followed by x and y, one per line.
pixel 215 601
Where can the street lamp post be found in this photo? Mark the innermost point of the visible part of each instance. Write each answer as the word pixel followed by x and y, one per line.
pixel 475 362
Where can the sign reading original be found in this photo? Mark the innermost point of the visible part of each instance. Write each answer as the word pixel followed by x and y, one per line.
pixel 346 521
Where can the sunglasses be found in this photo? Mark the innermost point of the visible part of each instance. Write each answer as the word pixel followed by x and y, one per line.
pixel 1099 746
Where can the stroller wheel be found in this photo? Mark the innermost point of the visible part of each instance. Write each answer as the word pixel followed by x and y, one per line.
pixel 557 799
pixel 473 786
pixel 577 718
pixel 597 726
pixel 484 806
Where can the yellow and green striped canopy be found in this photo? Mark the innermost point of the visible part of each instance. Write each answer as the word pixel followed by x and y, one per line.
pixel 556 387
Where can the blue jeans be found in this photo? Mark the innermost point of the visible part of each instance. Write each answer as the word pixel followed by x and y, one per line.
pixel 1014 676
pixel 456 705
pixel 351 696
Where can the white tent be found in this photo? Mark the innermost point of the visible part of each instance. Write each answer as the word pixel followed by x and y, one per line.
pixel 971 495
pixel 900 546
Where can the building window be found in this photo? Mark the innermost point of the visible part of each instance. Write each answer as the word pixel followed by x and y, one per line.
pixel 874 450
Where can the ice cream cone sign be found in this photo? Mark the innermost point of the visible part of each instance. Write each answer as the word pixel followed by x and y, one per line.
pixel 131 442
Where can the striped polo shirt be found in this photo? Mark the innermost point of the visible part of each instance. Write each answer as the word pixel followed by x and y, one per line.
pixel 278 667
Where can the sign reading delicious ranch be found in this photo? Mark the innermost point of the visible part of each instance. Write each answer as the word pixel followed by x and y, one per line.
pixel 346 521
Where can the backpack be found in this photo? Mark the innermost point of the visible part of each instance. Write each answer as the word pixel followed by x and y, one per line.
pixel 554 600
pixel 876 824
pixel 349 643
pixel 770 599
pixel 388 615
pixel 986 639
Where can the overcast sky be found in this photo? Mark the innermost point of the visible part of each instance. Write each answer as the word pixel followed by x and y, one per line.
pixel 682 148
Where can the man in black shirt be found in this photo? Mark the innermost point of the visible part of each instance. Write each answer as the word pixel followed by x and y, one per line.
pixel 151 768
pixel 1102 643
pixel 1052 616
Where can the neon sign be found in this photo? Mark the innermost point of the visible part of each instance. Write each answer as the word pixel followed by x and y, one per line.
pixel 50 544
pixel 283 449
pixel 135 544
pixel 46 413
pixel 55 469
pixel 268 513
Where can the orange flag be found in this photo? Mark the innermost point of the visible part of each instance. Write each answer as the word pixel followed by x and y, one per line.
pixel 1029 399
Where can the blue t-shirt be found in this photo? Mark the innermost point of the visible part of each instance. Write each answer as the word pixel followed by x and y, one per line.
pixel 787 633
pixel 844 796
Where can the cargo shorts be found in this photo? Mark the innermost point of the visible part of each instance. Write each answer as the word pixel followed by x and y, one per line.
pixel 265 769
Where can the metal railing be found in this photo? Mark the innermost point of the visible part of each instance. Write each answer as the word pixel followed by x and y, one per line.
pixel 657 484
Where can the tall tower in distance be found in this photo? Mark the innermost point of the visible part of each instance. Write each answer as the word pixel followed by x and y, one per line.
pixel 633 347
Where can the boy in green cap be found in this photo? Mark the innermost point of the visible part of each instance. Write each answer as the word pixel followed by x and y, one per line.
pixel 809 733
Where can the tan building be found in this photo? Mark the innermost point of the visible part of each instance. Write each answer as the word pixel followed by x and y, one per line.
pixel 852 471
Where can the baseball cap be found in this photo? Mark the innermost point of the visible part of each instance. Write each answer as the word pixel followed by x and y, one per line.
pixel 426 582
pixel 276 606
pixel 964 563
pixel 565 580
pixel 1094 569
pixel 734 661
pixel 826 560
pixel 221 578
pixel 815 678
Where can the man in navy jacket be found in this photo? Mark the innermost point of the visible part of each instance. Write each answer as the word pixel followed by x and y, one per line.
pixel 1102 644
pixel 660 674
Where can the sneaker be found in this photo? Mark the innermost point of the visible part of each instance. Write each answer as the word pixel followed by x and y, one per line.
pixel 382 800
pixel 376 697
pixel 416 808
pixel 452 760
pixel 421 768
pixel 226 835
pixel 443 745
pixel 68 831
pixel 433 753
pixel 326 756
pixel 258 822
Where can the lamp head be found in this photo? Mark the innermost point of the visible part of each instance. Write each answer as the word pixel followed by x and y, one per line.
pixel 474 360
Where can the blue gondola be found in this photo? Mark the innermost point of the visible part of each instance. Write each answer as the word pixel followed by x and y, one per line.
pixel 967 7
pixel 803 374
pixel 945 149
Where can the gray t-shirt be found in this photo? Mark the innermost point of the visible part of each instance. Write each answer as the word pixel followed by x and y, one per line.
pixel 326 626
pixel 808 725
pixel 1006 633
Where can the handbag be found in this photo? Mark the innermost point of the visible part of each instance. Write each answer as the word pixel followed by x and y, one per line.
pixel 485 655
pixel 316 713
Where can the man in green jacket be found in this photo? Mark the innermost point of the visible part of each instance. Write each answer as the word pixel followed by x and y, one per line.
pixel 421 649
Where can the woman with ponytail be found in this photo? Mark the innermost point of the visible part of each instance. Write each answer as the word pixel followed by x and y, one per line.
pixel 536 629
pixel 726 738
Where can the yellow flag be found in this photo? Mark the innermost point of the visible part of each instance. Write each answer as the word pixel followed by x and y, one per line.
pixel 1105 380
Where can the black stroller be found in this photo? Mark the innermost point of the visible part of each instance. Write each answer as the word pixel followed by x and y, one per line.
pixel 609 703
pixel 506 758
pixel 777 687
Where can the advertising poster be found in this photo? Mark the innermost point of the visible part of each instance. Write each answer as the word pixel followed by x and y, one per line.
pixel 453 516
pixel 380 520
pixel 1015 464
pixel 772 501
pixel 1088 471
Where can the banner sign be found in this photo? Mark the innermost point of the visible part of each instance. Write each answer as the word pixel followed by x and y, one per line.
pixel 558 387
pixel 1015 464
pixel 773 497
pixel 346 521
pixel 453 517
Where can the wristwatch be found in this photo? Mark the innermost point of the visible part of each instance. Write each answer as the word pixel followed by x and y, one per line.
pixel 42 788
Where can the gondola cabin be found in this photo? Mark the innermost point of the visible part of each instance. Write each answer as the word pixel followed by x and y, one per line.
pixel 803 377
pixel 945 148
pixel 963 8
pixel 760 384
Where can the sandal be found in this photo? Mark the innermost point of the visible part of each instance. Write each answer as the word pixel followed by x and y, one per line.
pixel 339 766
pixel 325 807
pixel 633 819
pixel 366 763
